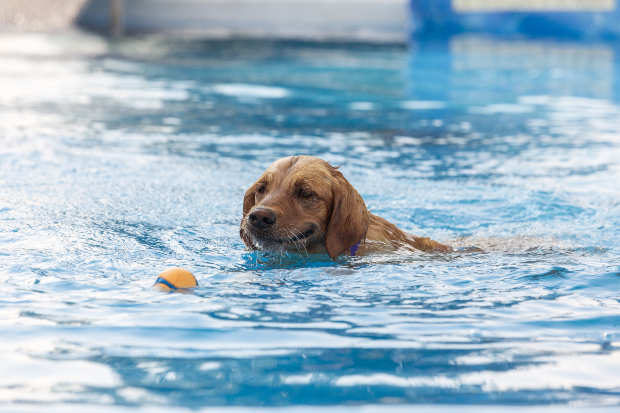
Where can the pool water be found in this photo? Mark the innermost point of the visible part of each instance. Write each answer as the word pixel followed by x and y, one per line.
pixel 121 159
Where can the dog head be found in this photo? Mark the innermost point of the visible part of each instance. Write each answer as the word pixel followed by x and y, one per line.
pixel 303 201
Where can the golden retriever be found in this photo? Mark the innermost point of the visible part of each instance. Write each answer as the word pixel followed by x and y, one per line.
pixel 302 202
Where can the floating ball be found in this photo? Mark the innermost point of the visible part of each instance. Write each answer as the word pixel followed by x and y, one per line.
pixel 175 279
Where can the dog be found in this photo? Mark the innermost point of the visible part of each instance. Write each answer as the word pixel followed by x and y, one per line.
pixel 302 202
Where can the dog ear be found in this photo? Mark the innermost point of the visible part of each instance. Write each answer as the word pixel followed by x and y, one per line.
pixel 349 221
pixel 249 200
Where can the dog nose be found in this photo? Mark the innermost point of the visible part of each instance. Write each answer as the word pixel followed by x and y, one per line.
pixel 262 218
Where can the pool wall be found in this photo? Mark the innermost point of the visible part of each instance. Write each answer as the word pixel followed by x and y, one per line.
pixel 367 20
pixel 578 19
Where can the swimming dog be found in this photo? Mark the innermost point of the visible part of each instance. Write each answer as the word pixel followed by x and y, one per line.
pixel 304 202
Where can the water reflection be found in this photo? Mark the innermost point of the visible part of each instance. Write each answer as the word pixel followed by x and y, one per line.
pixel 485 70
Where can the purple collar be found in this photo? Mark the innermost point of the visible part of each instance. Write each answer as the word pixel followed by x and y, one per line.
pixel 354 248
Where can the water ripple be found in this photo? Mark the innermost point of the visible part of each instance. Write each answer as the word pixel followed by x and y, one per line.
pixel 120 162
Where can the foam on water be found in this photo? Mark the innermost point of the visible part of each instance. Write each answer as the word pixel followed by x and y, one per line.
pixel 122 159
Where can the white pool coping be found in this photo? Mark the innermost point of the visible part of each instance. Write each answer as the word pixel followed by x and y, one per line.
pixel 364 20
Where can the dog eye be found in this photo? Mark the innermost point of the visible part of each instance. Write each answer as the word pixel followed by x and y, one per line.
pixel 262 189
pixel 305 194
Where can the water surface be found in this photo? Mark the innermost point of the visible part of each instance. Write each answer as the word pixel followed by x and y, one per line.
pixel 120 159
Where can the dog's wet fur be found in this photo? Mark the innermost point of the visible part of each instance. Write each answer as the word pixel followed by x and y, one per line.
pixel 302 203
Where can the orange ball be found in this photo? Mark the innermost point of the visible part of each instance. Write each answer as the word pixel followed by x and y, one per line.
pixel 175 279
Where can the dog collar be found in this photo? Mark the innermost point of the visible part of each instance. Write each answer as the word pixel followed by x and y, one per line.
pixel 354 248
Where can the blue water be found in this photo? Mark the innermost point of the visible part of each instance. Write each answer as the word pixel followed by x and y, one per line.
pixel 121 159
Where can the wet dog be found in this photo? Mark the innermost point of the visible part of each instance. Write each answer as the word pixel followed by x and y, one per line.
pixel 302 203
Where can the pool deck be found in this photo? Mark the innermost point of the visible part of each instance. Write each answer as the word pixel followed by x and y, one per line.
pixel 39 15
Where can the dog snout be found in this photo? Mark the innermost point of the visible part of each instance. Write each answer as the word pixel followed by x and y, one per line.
pixel 262 219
